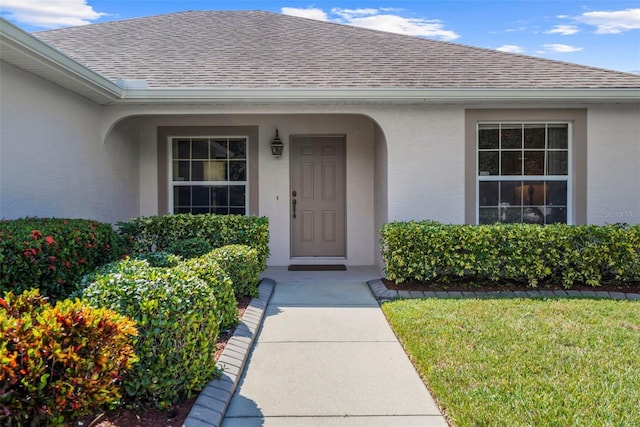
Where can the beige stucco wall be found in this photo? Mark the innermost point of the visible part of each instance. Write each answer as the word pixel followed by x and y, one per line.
pixel 614 164
pixel 53 162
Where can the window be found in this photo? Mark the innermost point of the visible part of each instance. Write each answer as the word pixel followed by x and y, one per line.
pixel 209 175
pixel 523 172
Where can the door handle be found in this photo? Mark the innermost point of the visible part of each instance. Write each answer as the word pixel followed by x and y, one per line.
pixel 294 202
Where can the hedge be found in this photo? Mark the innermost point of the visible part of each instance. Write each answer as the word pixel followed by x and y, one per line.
pixel 177 315
pixel 52 254
pixel 60 362
pixel 159 233
pixel 241 264
pixel 560 254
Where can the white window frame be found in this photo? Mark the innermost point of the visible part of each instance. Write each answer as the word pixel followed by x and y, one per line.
pixel 498 178
pixel 172 184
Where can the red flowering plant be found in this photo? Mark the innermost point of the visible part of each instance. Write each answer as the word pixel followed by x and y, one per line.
pixel 53 254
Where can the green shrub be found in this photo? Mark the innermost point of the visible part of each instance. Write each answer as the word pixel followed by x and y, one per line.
pixel 190 248
pixel 53 254
pixel 207 268
pixel 242 265
pixel 61 362
pixel 423 251
pixel 176 313
pixel 159 259
pixel 157 233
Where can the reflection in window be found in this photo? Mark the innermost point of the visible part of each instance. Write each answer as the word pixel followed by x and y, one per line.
pixel 522 172
pixel 209 175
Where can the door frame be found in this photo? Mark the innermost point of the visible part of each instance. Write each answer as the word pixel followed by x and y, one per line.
pixel 292 138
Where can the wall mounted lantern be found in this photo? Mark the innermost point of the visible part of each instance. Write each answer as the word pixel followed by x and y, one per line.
pixel 277 146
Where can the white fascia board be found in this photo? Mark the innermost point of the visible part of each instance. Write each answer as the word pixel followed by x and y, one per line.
pixel 194 95
pixel 14 38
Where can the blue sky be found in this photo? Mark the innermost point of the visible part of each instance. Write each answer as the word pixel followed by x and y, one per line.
pixel 604 33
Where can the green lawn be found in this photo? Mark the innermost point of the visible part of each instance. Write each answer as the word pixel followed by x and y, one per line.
pixel 526 362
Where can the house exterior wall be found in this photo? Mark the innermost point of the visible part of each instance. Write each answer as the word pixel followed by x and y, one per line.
pixel 53 161
pixel 614 164
pixel 425 162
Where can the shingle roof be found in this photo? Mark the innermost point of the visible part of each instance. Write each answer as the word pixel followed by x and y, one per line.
pixel 253 49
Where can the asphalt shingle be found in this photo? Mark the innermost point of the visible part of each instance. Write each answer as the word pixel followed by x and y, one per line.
pixel 253 49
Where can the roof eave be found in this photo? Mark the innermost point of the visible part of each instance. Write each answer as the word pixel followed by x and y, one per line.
pixel 375 95
pixel 25 51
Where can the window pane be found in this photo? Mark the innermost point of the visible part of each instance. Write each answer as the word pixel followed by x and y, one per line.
pixel 558 136
pixel 182 196
pixel 558 163
pixel 237 211
pixel 197 171
pixel 217 171
pixel 534 136
pixel 218 150
pixel 556 215
pixel 237 149
pixel 557 193
pixel 510 215
pixel 533 215
pixel 488 193
pixel 488 215
pixel 509 196
pixel 220 196
pixel 221 211
pixel 183 171
pixel 183 149
pixel 200 149
pixel 534 162
pixel 488 163
pixel 237 171
pixel 200 196
pixel 196 210
pixel 237 195
pixel 533 192
pixel 488 136
pixel 511 136
pixel 511 163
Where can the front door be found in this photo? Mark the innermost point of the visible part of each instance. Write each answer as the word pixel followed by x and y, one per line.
pixel 317 202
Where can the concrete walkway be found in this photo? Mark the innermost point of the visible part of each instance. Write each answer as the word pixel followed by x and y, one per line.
pixel 326 356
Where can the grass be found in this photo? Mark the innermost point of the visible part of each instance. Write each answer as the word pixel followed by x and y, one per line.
pixel 526 362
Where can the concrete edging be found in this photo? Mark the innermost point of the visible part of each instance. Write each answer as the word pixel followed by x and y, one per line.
pixel 211 404
pixel 381 293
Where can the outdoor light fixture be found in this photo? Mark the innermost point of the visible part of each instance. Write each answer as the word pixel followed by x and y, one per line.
pixel 277 146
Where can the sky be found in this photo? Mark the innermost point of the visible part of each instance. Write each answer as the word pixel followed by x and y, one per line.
pixel 604 33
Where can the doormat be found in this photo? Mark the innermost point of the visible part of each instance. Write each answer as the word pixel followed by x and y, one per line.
pixel 319 267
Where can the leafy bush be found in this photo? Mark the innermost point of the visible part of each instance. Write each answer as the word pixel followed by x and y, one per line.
pixel 53 254
pixel 207 268
pixel 242 265
pixel 177 317
pixel 159 259
pixel 59 362
pixel 157 233
pixel 422 251
pixel 190 248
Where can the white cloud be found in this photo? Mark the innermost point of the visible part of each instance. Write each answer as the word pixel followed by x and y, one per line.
pixel 510 48
pixel 311 13
pixel 50 13
pixel 613 22
pixel 562 48
pixel 565 30
pixel 378 19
